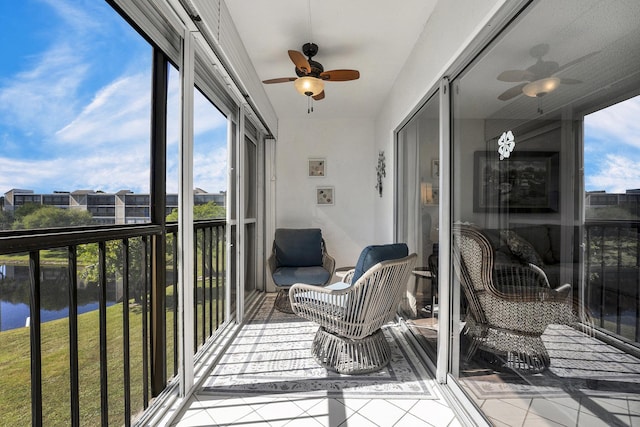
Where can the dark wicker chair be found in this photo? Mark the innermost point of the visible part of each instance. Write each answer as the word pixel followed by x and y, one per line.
pixel 506 321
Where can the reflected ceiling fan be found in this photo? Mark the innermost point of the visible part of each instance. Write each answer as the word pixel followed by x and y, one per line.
pixel 540 78
pixel 311 74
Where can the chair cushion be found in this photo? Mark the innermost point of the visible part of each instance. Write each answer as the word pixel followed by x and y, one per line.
pixel 521 248
pixel 371 255
pixel 298 247
pixel 287 276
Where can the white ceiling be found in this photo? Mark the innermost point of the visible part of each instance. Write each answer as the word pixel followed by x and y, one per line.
pixel 372 36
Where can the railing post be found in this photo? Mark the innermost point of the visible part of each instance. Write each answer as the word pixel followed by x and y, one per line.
pixel 73 337
pixel 126 360
pixel 35 336
pixel 158 216
pixel 102 320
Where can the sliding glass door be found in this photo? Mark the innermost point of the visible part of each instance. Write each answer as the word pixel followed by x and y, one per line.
pixel 418 218
pixel 545 243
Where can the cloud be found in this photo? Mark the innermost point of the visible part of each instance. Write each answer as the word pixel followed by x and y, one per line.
pixel 616 125
pixel 118 112
pixel 615 174
pixel 39 99
pixel 75 17
pixel 13 173
pixel 83 108
pixel 210 170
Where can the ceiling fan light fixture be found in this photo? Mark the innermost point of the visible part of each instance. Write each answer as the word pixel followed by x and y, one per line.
pixel 539 88
pixel 309 86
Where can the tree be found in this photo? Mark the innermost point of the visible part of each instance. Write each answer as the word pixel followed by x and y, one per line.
pixel 26 209
pixel 208 210
pixel 50 216
pixel 88 257
pixel 6 221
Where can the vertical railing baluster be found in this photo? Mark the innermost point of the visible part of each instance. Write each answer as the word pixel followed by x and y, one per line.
pixel 145 326
pixel 102 313
pixel 35 339
pixel 204 283
pixel 175 303
pixel 74 377
pixel 637 241
pixel 195 291
pixel 210 244
pixel 587 270
pixel 619 282
pixel 217 276
pixel 125 332
pixel 224 276
pixel 603 287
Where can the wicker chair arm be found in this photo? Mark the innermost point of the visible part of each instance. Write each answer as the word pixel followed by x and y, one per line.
pixel 329 264
pixel 518 279
pixel 348 277
pixel 272 262
pixel 527 315
pixel 533 294
pixel 318 304
pixel 541 273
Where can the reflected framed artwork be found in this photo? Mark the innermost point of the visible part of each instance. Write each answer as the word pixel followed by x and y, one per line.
pixel 525 182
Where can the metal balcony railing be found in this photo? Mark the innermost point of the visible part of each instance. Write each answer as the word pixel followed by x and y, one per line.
pixel 110 371
pixel 612 276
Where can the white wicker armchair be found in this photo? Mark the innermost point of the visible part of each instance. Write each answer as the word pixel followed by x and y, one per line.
pixel 350 316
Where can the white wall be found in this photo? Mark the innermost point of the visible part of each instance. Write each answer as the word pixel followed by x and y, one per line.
pixel 360 217
pixel 438 46
pixel 347 145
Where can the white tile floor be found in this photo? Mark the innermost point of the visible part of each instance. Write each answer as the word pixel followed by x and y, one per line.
pixel 297 410
pixel 292 411
pixel 301 410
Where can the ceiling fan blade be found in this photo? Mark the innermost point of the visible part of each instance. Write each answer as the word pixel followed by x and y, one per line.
pixel 340 75
pixel 515 76
pixel 575 61
pixel 279 80
pixel 570 81
pixel 301 62
pixel 511 93
pixel 319 96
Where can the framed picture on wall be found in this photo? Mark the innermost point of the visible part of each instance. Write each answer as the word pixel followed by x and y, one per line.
pixel 325 196
pixel 317 168
pixel 526 182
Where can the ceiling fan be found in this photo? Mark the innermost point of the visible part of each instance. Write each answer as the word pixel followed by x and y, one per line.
pixel 540 78
pixel 311 74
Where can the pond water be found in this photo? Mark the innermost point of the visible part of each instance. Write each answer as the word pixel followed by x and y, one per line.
pixel 54 299
pixel 14 316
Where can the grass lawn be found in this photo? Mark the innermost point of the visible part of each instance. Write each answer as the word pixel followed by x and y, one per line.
pixel 15 393
pixel 50 256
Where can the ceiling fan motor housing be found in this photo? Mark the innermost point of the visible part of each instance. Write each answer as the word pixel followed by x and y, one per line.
pixel 316 69
pixel 310 49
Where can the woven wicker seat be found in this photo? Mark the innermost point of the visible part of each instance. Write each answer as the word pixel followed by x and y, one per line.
pixel 349 340
pixel 506 320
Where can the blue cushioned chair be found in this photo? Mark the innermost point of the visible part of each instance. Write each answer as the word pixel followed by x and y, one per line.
pixel 299 256
pixel 351 313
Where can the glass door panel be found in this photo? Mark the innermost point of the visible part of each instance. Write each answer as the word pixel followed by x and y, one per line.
pixel 418 218
pixel 250 207
pixel 545 243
